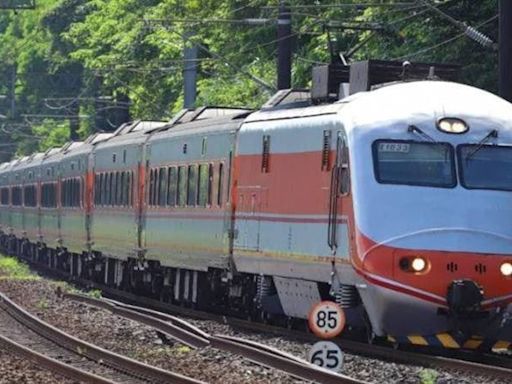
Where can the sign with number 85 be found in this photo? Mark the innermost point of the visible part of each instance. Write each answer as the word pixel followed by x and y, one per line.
pixel 326 320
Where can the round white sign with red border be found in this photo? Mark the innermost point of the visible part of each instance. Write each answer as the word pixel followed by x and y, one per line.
pixel 326 319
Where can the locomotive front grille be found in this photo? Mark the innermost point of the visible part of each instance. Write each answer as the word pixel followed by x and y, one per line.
pixel 480 268
pixel 452 267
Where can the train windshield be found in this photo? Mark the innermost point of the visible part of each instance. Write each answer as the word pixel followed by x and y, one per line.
pixel 414 163
pixel 485 167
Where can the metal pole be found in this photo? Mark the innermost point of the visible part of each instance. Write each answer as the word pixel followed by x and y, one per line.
pixel 505 47
pixel 189 72
pixel 284 47
pixel 12 93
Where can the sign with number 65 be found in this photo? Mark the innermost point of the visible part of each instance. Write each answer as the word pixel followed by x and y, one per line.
pixel 326 354
pixel 326 320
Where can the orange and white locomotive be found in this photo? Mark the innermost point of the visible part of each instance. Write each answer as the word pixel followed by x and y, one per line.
pixel 393 202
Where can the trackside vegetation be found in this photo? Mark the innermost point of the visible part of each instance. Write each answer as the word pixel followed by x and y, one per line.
pixel 83 66
pixel 12 268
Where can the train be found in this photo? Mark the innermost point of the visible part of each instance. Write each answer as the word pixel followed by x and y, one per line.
pixel 395 203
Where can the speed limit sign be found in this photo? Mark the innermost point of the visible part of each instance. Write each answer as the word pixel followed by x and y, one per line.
pixel 326 354
pixel 326 320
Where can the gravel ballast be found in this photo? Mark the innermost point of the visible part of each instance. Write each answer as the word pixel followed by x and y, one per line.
pixel 17 370
pixel 137 341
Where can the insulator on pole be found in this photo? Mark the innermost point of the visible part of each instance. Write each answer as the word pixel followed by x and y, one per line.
pixel 479 37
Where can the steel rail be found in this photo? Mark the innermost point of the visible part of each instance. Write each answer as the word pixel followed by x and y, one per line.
pixel 122 364
pixel 256 352
pixel 490 364
pixel 192 339
pixel 293 366
pixel 53 365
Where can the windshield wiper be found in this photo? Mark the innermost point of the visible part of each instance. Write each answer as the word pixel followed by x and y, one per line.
pixel 419 132
pixel 493 134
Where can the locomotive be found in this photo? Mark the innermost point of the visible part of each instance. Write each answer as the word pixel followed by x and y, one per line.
pixel 394 202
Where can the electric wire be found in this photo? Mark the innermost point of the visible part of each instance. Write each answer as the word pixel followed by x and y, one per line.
pixel 445 42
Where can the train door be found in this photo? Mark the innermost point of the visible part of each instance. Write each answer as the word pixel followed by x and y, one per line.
pixel 337 231
pixel 92 193
pixel 140 219
pixel 247 226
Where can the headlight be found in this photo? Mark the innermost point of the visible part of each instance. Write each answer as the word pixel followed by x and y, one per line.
pixel 506 269
pixel 414 264
pixel 418 264
pixel 451 125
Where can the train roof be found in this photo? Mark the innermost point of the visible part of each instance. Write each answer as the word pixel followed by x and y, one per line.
pixel 216 119
pixel 400 101
pixel 423 99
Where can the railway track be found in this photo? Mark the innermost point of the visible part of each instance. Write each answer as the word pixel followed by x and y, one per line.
pixel 489 366
pixel 192 336
pixel 28 336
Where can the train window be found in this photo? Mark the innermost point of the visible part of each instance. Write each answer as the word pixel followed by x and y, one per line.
pixel 414 163
pixel 78 197
pixel 162 186
pixel 172 187
pixel 210 184
pixel 103 193
pixel 130 188
pixel 48 195
pixel 204 184
pixel 220 189
pixel 126 189
pixel 192 185
pixel 108 191
pixel 182 186
pixel 112 198
pixel 485 166
pixel 96 189
pixel 71 192
pixel 151 187
pixel 230 165
pixel 63 193
pixel 122 189
pixel 113 188
pixel 155 187
pixel 4 196
pixel 29 196
pixel 119 189
pixel 16 196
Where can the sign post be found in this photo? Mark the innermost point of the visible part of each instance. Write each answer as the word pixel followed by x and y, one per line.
pixel 326 320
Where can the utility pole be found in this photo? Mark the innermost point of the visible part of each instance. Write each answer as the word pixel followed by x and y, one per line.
pixel 189 71
pixel 284 47
pixel 505 48
pixel 12 91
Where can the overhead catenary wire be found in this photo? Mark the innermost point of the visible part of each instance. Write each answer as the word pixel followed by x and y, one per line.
pixel 344 5
pixel 373 34
pixel 445 42
pixel 469 31
pixel 220 57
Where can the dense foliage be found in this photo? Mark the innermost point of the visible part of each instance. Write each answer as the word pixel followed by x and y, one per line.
pixel 81 66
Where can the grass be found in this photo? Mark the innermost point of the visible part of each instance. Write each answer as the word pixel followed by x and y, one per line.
pixel 182 349
pixel 94 293
pixel 42 304
pixel 428 376
pixel 12 268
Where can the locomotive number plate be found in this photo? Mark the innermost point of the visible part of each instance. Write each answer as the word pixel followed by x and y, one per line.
pixel 394 147
pixel 326 320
